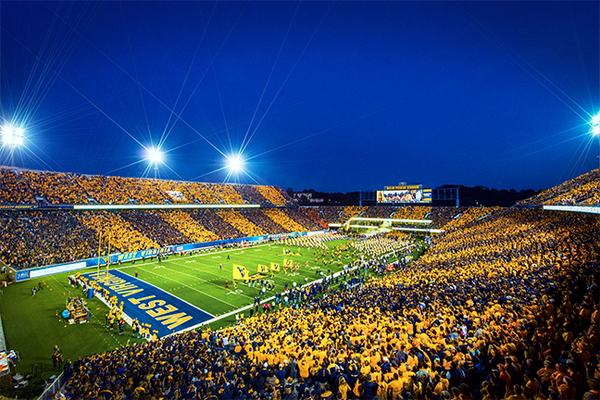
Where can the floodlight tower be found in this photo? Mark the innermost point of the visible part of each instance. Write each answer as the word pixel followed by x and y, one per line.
pixel 12 137
pixel 596 130
pixel 155 156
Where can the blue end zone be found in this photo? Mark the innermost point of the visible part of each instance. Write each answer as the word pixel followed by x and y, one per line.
pixel 152 306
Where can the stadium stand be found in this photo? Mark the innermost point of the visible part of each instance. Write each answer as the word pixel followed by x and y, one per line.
pixel 280 217
pixel 155 228
pixel 379 211
pixel 216 224
pixel 332 214
pixel 469 216
pixel 504 304
pixel 121 234
pixel 22 186
pixel 250 194
pixel 13 189
pixel 103 189
pixel 272 195
pixel 351 211
pixel 260 219
pixel 184 222
pixel 583 190
pixel 440 216
pixel 55 188
pixel 242 224
pixel 314 213
pixel 226 193
pixel 411 212
pixel 35 239
pixel 502 307
pixel 203 194
pixel 301 216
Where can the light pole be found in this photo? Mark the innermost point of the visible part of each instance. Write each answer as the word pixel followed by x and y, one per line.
pixel 12 137
pixel 596 131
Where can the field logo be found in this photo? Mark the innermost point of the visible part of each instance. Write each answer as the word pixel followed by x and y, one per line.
pixel 274 267
pixel 239 272
pixel 263 269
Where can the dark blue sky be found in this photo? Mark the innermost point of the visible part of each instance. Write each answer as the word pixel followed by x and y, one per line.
pixel 335 96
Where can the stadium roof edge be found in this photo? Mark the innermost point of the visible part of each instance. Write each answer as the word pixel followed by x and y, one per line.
pixel 583 209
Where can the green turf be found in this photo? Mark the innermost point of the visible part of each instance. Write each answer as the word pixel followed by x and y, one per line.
pixel 32 327
pixel 199 280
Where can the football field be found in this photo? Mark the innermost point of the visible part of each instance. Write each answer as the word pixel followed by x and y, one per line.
pixel 186 291
pixel 182 285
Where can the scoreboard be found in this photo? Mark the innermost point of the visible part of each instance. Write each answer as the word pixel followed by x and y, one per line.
pixel 407 194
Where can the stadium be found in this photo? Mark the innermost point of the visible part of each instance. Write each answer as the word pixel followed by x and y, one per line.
pixel 503 300
pixel 201 200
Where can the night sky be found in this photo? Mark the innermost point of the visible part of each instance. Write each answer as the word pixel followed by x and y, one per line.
pixel 334 96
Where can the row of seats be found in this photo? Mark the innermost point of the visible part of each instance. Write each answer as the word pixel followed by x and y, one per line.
pixel 24 186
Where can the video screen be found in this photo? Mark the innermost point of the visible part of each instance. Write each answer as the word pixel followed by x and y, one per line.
pixel 404 196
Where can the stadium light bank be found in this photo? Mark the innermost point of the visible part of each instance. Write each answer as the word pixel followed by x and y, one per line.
pixel 596 131
pixel 155 156
pixel 12 137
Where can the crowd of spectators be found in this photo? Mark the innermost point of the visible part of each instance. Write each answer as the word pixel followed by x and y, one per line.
pixel 250 194
pixel 227 193
pixel 582 190
pixel 55 188
pixel 315 214
pixel 399 236
pixel 104 189
pixel 350 212
pixel 260 219
pixel 214 223
pixel 506 307
pixel 301 216
pixel 332 214
pixel 13 190
pixel 184 222
pixel 242 224
pixel 272 195
pixel 379 211
pixel 35 239
pixel 120 234
pixel 586 194
pixel 440 216
pixel 203 193
pixel 412 212
pixel 470 216
pixel 23 186
pixel 153 225
pixel 280 217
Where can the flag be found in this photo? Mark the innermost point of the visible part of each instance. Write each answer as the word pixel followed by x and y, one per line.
pixel 275 267
pixel 263 269
pixel 240 272
pixel 288 263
